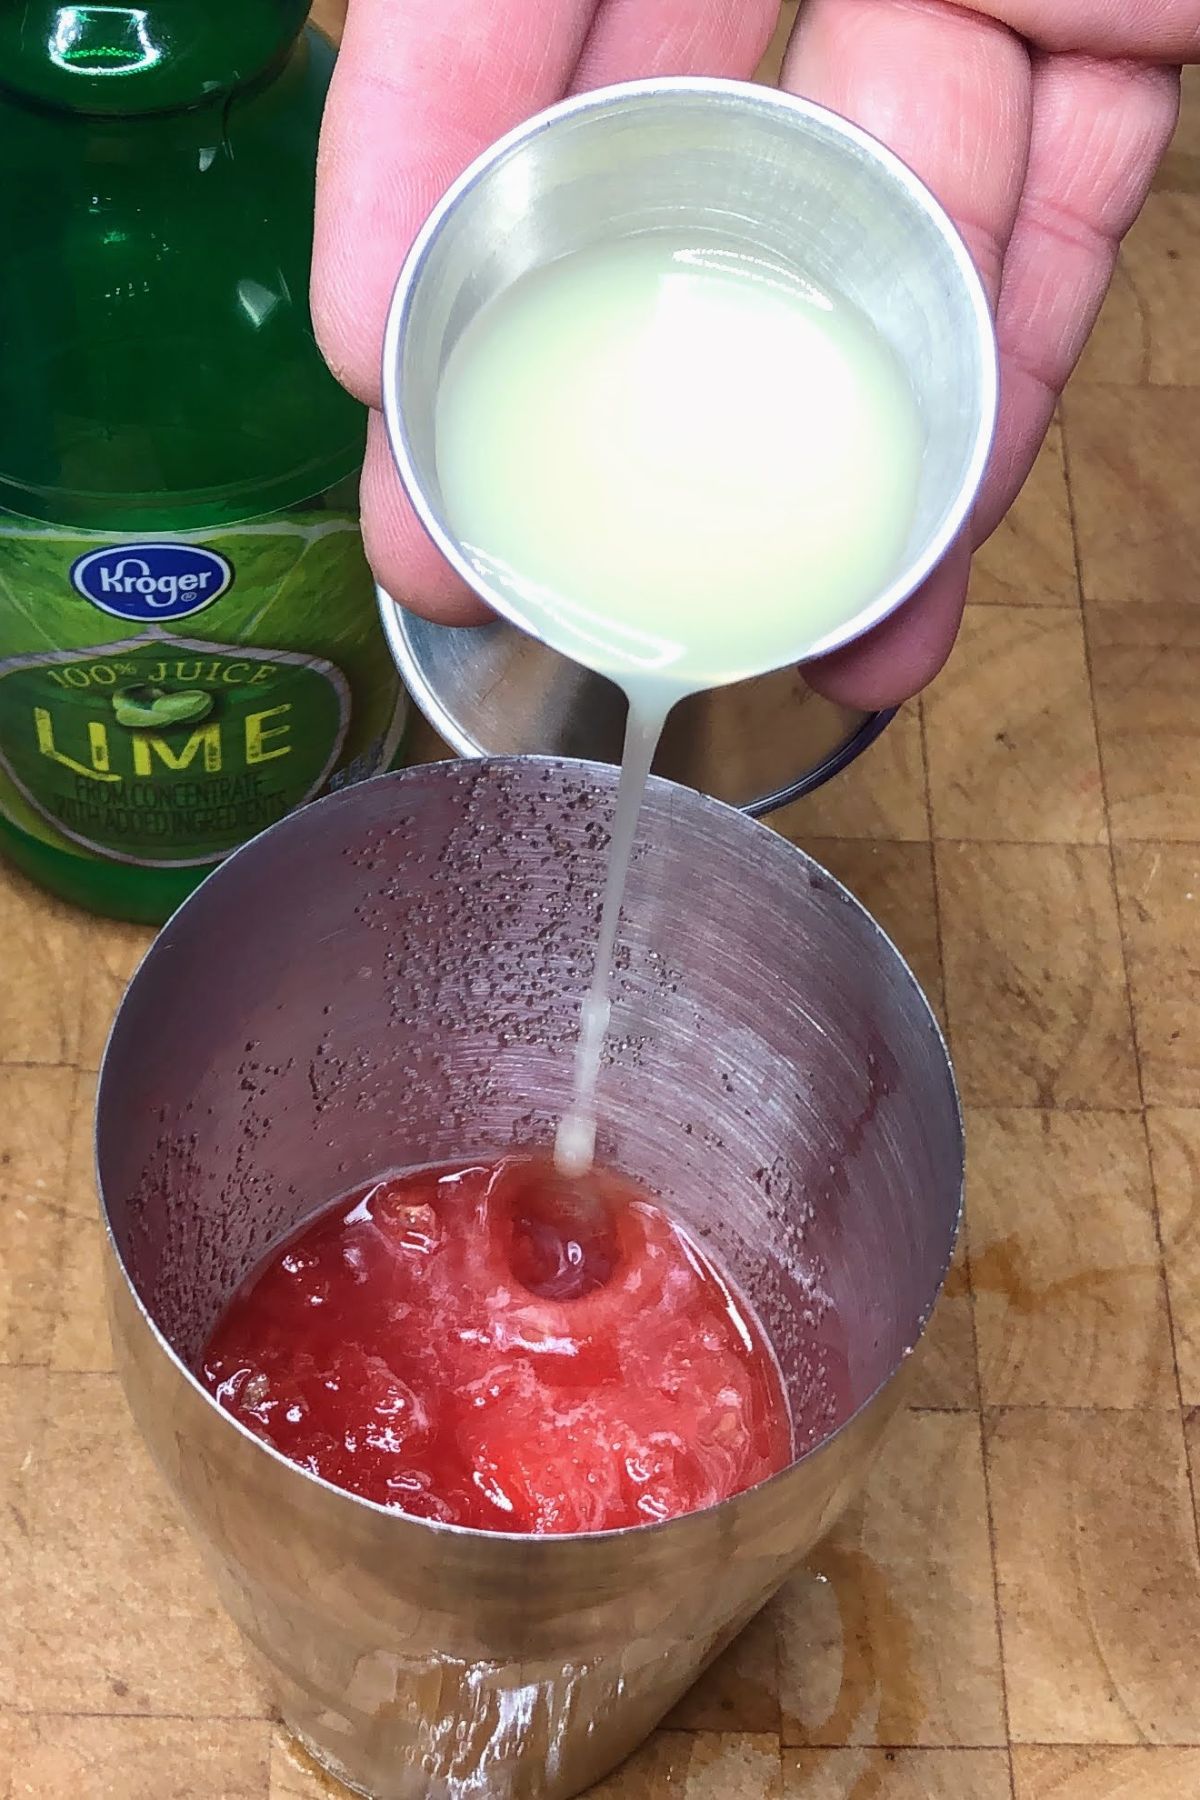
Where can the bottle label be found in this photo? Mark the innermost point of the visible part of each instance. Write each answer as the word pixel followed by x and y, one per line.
pixel 164 698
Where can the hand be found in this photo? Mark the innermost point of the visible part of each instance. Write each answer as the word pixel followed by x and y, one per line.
pixel 1037 123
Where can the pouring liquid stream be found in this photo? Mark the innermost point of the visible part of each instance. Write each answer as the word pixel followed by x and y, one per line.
pixel 687 469
pixel 686 465
pixel 575 1141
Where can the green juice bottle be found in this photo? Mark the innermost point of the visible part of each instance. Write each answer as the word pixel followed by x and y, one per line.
pixel 189 642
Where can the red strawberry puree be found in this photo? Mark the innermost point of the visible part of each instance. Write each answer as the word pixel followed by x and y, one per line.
pixel 457 1345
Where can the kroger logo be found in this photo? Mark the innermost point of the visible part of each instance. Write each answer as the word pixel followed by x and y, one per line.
pixel 151 581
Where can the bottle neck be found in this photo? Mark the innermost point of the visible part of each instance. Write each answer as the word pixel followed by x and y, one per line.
pixel 161 56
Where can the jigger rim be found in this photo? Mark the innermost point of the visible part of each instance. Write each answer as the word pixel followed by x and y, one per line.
pixel 730 94
pixel 447 724
pixel 606 776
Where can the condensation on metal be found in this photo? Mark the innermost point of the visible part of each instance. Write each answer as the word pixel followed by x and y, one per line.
pixel 393 976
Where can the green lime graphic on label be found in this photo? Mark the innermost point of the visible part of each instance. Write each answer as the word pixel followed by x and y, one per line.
pixel 213 747
pixel 167 749
pixel 142 704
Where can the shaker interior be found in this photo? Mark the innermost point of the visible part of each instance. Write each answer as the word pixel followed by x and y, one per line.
pixel 774 1074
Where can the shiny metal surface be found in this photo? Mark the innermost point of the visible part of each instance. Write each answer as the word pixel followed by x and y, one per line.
pixel 393 975
pixel 737 164
pixel 490 690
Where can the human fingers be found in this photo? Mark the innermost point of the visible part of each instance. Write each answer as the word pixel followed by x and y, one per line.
pixel 400 553
pixel 949 91
pixel 903 654
pixel 718 37
pixel 951 94
pixel 1164 31
pixel 419 89
pixel 1098 132
pixel 630 39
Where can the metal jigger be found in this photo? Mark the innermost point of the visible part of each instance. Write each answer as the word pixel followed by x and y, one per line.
pixel 755 170
pixel 489 690
pixel 400 968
